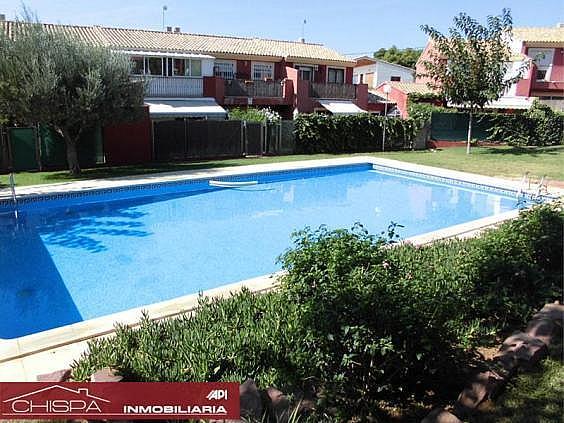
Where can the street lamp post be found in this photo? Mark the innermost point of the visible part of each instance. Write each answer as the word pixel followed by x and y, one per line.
pixel 387 90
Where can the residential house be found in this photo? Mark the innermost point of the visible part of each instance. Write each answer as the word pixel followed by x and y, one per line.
pixel 399 93
pixel 373 72
pixel 542 48
pixel 199 76
pixel 545 77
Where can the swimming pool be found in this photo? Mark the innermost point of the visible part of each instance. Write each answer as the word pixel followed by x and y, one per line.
pixel 75 257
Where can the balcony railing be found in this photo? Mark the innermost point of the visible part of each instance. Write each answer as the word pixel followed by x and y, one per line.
pixel 173 86
pixel 332 91
pixel 258 88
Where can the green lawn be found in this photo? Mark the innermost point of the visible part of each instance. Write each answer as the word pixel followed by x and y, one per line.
pixel 506 162
pixel 532 397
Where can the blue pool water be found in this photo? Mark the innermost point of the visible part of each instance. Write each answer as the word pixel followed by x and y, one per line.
pixel 64 262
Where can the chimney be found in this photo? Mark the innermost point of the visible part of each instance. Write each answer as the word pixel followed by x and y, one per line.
pixel 169 29
pixel 2 17
pixel 177 29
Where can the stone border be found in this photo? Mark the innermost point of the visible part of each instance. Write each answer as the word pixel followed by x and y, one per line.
pixel 35 343
pixel 521 350
pixel 38 342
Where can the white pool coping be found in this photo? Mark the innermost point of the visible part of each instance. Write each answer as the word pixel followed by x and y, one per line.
pixel 37 348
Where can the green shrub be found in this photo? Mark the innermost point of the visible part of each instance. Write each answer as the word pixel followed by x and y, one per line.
pixel 320 133
pixel 253 114
pixel 539 126
pixel 355 319
pixel 242 336
pixel 421 112
pixel 386 322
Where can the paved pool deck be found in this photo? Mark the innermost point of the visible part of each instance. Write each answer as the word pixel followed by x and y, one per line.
pixel 23 359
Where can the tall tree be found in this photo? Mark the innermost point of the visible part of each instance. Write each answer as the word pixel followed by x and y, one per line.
pixel 406 57
pixel 52 79
pixel 469 66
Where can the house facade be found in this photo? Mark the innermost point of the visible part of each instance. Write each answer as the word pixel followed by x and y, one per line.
pixel 374 72
pixel 201 76
pixel 542 49
pixel 545 77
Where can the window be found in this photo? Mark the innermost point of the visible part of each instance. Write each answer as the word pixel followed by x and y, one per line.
pixel 541 74
pixel 137 65
pixel 335 76
pixel 154 66
pixel 184 67
pixel 176 67
pixel 225 70
pixel 305 73
pixel 395 78
pixel 263 70
pixel 195 67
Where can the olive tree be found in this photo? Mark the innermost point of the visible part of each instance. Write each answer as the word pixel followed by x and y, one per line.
pixel 50 78
pixel 469 65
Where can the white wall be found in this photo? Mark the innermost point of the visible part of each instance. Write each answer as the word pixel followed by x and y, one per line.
pixel 207 67
pixel 383 72
pixel 387 70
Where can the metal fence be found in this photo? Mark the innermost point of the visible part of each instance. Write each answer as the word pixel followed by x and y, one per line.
pixel 40 148
pixel 172 86
pixel 454 126
pixel 239 88
pixel 332 91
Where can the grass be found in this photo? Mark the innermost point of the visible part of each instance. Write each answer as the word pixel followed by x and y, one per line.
pixel 505 162
pixel 532 397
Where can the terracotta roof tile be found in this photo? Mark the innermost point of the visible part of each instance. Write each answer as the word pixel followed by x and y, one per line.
pixel 138 39
pixel 539 34
pixel 411 87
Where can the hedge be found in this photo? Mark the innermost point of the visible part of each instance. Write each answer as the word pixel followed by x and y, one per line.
pixel 320 133
pixel 355 320
pixel 538 126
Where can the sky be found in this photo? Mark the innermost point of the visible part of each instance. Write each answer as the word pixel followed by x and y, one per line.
pixel 350 27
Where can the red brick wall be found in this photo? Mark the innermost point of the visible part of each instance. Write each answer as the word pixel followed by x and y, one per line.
pixel 129 143
pixel 214 87
pixel 557 73
pixel 320 74
pixel 349 75
pixel 362 96
pixel 244 69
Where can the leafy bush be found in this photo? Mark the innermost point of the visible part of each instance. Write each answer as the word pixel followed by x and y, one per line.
pixel 252 114
pixel 320 133
pixel 421 112
pixel 386 322
pixel 246 335
pixel 539 126
pixel 355 320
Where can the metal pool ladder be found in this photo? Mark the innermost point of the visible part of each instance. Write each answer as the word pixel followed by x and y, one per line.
pixel 13 190
pixel 525 180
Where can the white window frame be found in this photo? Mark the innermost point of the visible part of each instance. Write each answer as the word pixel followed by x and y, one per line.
pixel 163 65
pixel 268 69
pixel 339 68
pixel 313 68
pixel 548 60
pixel 223 74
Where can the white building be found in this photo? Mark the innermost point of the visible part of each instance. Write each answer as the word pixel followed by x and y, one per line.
pixel 374 72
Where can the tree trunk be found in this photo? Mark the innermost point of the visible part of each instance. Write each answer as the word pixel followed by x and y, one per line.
pixel 469 133
pixel 72 156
